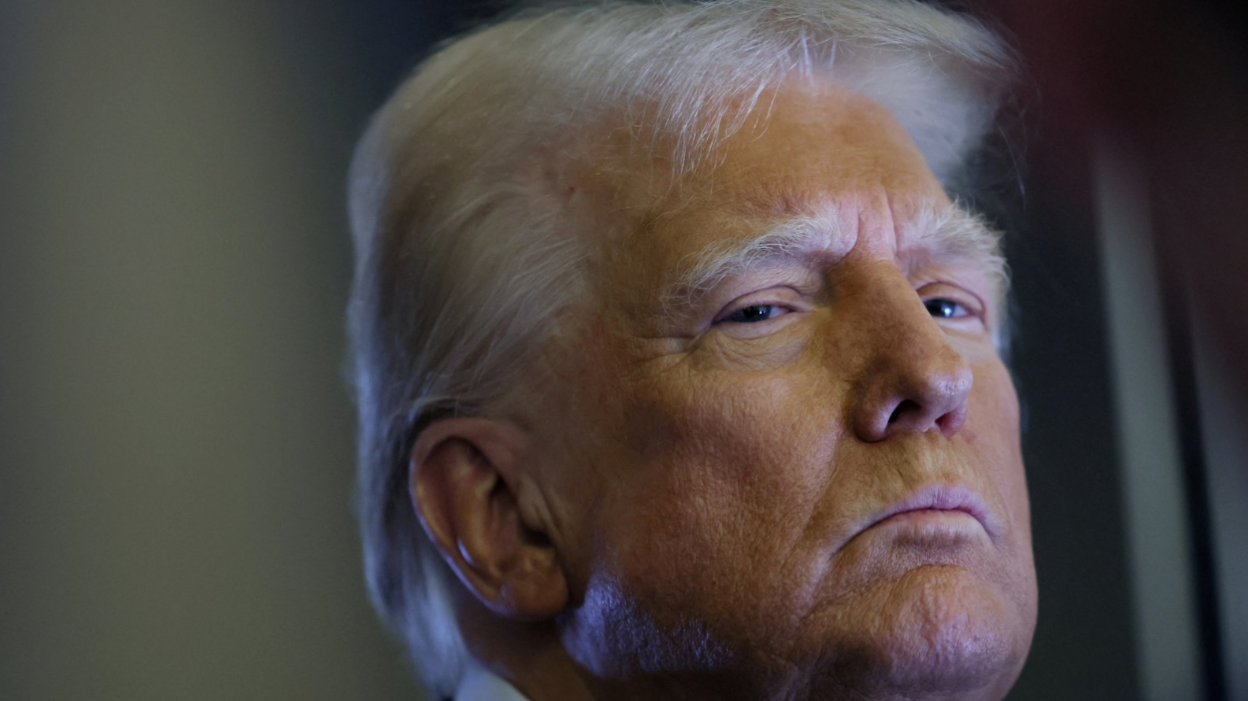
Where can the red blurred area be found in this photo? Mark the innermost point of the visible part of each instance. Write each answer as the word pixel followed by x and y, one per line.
pixel 1168 83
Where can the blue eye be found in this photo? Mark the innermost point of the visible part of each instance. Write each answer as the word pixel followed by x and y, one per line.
pixel 945 308
pixel 754 313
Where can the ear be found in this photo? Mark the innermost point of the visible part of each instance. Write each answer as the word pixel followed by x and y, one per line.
pixel 466 475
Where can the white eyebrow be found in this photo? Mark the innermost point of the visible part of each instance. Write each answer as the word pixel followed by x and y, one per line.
pixel 962 235
pixel 791 239
pixel 959 232
pixel 955 232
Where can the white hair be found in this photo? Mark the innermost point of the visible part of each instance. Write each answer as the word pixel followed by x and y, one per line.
pixel 463 260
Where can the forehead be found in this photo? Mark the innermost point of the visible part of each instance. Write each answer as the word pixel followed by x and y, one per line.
pixel 819 153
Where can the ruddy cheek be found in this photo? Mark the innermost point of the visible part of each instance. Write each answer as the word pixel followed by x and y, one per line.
pixel 696 455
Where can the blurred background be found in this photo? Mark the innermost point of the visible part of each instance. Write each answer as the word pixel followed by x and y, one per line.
pixel 176 436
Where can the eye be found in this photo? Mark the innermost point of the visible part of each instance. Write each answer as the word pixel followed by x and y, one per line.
pixel 943 308
pixel 754 314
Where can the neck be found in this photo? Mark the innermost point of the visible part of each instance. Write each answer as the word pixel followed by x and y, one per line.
pixel 532 658
pixel 529 656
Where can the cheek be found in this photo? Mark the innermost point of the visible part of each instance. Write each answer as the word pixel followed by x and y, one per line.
pixel 995 434
pixel 721 480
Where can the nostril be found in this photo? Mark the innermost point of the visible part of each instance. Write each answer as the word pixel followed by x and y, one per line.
pixel 951 422
pixel 907 406
pixel 911 415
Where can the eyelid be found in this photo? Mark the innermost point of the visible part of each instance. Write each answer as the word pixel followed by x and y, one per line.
pixel 972 302
pixel 726 318
pixel 783 296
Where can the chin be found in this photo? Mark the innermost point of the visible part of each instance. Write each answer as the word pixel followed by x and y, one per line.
pixel 936 631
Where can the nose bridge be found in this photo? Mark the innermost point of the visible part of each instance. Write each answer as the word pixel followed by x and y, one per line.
pixel 911 378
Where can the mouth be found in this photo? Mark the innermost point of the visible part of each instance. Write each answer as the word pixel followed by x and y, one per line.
pixel 940 503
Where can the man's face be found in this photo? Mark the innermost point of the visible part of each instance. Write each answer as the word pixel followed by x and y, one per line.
pixel 795 469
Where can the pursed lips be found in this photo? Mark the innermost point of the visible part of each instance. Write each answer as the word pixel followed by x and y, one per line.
pixel 939 497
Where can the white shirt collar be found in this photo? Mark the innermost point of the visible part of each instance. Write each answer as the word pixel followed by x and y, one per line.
pixel 480 685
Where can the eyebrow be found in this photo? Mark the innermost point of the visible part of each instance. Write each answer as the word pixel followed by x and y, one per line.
pixel 946 233
pixel 955 234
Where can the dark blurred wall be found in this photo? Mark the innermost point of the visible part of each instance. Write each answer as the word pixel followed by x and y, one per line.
pixel 1148 100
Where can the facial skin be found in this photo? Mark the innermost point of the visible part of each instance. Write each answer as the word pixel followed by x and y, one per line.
pixel 712 473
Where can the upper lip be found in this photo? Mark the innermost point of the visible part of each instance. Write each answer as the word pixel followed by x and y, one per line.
pixel 940 497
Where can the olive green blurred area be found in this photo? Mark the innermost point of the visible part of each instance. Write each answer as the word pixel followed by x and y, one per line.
pixel 175 499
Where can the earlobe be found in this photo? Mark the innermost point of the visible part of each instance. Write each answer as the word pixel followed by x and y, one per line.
pixel 464 477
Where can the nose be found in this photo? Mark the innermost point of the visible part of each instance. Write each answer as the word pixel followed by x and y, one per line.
pixel 913 380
